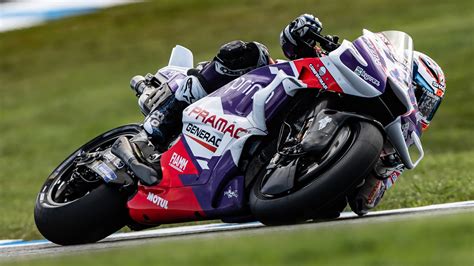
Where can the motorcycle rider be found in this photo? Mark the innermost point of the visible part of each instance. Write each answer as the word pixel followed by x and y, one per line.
pixel 164 109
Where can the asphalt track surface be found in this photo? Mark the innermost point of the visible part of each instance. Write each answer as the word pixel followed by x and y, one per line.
pixel 18 249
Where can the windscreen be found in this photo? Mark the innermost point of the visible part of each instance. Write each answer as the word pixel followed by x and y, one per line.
pixel 402 45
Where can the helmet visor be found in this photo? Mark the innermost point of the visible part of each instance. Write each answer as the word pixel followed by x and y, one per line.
pixel 428 103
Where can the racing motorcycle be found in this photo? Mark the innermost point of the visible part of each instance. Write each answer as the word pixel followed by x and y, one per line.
pixel 284 143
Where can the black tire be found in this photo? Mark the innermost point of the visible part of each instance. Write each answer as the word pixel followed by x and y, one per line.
pixel 87 218
pixel 315 198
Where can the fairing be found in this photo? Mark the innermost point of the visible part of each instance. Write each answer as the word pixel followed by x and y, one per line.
pixel 201 179
pixel 370 65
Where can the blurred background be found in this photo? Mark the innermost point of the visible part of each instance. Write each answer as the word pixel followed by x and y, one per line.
pixel 66 80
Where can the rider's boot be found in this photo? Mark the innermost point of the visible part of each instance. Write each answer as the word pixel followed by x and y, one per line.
pixel 161 126
pixel 369 194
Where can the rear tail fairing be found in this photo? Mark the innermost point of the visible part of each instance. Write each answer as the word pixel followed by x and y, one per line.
pixel 188 191
pixel 201 179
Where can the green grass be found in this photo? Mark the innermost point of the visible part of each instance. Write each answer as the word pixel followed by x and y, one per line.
pixel 67 81
pixel 426 240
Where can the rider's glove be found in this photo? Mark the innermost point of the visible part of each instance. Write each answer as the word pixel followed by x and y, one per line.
pixel 297 39
pixel 151 92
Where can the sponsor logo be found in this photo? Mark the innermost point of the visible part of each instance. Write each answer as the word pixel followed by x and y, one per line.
pixel 114 160
pixel 318 76
pixel 219 123
pixel 243 85
pixel 373 51
pixel 155 118
pixel 374 193
pixel 438 85
pixel 188 91
pixel 104 171
pixel 221 69
pixel 324 122
pixel 361 73
pixel 178 162
pixel 322 71
pixel 109 174
pixel 231 193
pixel 211 142
pixel 157 200
pixel 405 128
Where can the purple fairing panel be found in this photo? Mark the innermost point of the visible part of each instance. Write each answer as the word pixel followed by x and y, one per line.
pixel 223 193
pixel 412 119
pixel 411 123
pixel 374 73
pixel 193 180
pixel 276 99
pixel 172 76
pixel 236 96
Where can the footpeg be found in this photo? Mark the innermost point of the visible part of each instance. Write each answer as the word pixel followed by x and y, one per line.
pixel 122 148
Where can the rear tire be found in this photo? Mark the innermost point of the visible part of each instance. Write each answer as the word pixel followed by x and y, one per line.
pixel 86 220
pixel 315 199
pixel 89 216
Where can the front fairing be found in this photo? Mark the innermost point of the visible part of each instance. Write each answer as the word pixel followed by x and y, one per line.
pixel 401 78
pixel 373 61
pixel 372 64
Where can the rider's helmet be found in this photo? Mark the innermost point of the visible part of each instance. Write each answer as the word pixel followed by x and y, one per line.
pixel 296 39
pixel 429 85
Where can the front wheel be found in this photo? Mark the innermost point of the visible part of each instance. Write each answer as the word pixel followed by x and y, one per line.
pixel 74 205
pixel 314 185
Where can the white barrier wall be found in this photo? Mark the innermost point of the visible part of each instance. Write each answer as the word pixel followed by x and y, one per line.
pixel 27 13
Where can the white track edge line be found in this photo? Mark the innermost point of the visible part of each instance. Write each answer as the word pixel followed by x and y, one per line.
pixel 216 227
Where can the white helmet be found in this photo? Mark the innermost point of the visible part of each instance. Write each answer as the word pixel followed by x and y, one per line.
pixel 430 85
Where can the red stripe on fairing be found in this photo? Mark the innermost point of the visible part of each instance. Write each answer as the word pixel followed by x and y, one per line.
pixel 181 204
pixel 202 143
pixel 307 76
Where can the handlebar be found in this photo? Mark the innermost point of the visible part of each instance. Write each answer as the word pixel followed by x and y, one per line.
pixel 139 83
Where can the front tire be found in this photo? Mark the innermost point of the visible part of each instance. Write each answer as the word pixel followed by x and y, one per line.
pixel 315 198
pixel 95 212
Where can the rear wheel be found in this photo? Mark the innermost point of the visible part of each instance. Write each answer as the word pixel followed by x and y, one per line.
pixel 74 205
pixel 316 186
